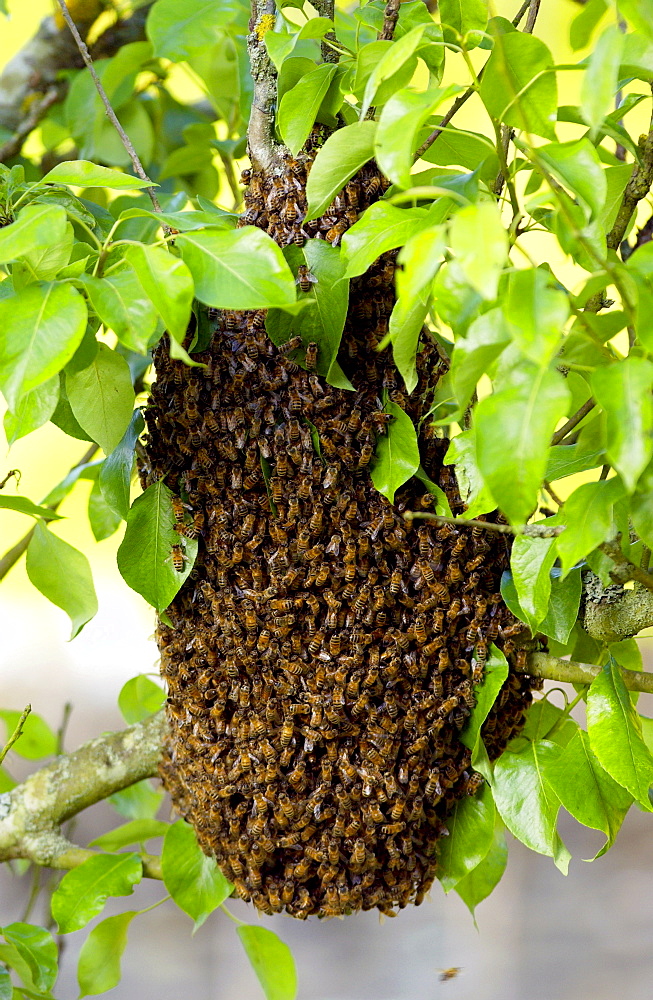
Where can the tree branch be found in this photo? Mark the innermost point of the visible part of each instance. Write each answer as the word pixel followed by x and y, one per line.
pixel 390 18
pixel 637 188
pixel 573 421
pixel 31 814
pixel 613 613
pixel 111 114
pixel 571 672
pixel 625 570
pixel 38 111
pixel 327 8
pixel 260 132
pixel 16 733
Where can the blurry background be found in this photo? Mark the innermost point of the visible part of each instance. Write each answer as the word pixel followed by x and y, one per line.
pixel 540 936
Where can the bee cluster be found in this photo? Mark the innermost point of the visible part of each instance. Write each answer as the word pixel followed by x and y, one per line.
pixel 323 653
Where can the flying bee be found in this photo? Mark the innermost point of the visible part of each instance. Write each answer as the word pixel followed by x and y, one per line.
pixel 447 974
pixel 305 278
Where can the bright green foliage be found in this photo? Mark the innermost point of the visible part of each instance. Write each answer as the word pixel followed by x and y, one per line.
pixel 271 960
pixel 194 881
pixel 92 279
pixel 82 893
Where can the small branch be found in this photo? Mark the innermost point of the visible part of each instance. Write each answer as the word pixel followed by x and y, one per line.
pixel 573 421
pixel 260 131
pixel 74 856
pixel 16 733
pixel 532 530
pixel 111 114
pixel 516 21
pixel 533 11
pixel 637 188
pixel 390 18
pixel 626 570
pixel 13 146
pixel 552 668
pixel 327 8
pixel 32 813
pixel 12 555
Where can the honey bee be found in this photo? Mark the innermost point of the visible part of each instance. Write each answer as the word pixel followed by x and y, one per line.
pixel 290 345
pixel 447 974
pixel 286 733
pixel 305 278
pixel 311 356
pixel 335 234
pixel 366 455
pixel 178 558
pixel 373 187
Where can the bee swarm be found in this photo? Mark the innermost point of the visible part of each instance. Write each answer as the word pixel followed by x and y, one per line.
pixel 324 653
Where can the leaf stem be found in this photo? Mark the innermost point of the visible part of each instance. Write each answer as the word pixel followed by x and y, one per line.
pixel 575 419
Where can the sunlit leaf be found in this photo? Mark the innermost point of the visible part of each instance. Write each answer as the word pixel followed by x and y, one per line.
pixel 193 880
pixel 396 457
pixel 341 156
pixel 98 968
pixel 471 831
pixel 38 949
pixel 63 575
pixel 623 390
pixel 271 960
pixel 140 697
pixel 102 398
pixel 82 892
pixel 519 85
pixel 83 173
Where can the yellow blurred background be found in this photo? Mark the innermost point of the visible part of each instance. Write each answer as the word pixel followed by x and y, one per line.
pixel 541 937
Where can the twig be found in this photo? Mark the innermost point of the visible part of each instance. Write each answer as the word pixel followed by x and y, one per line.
pixel 111 114
pixel 625 569
pixel 390 18
pixel 533 11
pixel 16 733
pixel 531 530
pixel 37 112
pixel 12 555
pixel 12 474
pixel 637 188
pixel 552 668
pixel 573 421
pixel 463 98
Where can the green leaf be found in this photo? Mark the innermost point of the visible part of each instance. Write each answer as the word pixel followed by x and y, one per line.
pixel 568 459
pixel 139 801
pixel 6 985
pixel 396 458
pixel 471 831
pixel 25 506
pixel 145 554
pixel 531 560
pixel 36 226
pixel 441 503
pixel 464 15
pixel 38 949
pixel 496 673
pixel 638 14
pixel 179 28
pixel 83 173
pixel 474 494
pixel 479 243
pixel 406 324
pixel 36 740
pixel 194 881
pixel 82 892
pixel 421 257
pixel 541 717
pixel 513 431
pixel 271 960
pixel 168 284
pixel 341 156
pixel 519 85
pixel 137 831
pixel 98 968
pixel 480 882
pixel 300 105
pixel 103 520
pixel 33 410
pixel 42 326
pixel 586 790
pixel 587 515
pixel 601 78
pixel 382 227
pixel 241 269
pixel 535 313
pixel 641 513
pixel 527 804
pixel 402 51
pixel 623 390
pixel 102 398
pixel 562 612
pixel 578 167
pixel 401 119
pixel 124 307
pixel 583 25
pixel 473 355
pixel 62 574
pixel 116 470
pixel 615 734
pixel 139 698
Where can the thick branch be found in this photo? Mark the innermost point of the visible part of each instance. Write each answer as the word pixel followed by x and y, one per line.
pixel 260 132
pixel 390 18
pixel 31 814
pixel 637 188
pixel 571 672
pixel 616 613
